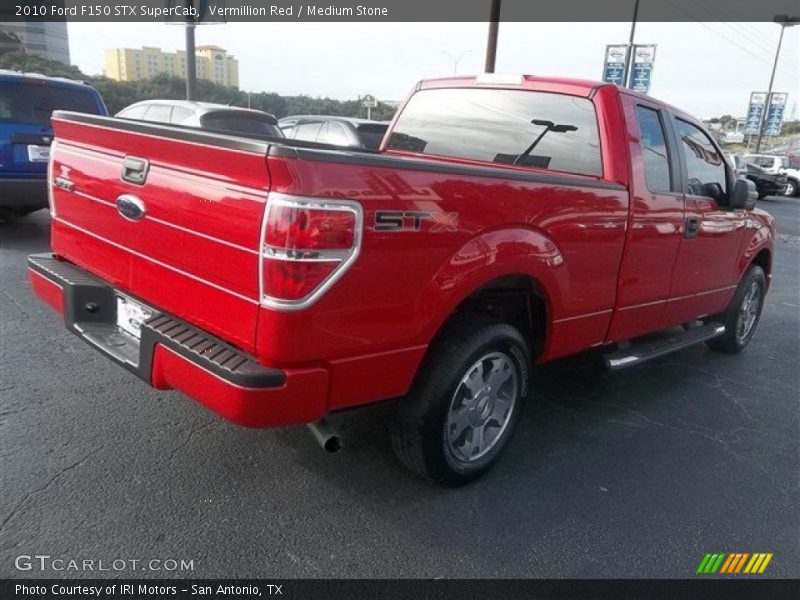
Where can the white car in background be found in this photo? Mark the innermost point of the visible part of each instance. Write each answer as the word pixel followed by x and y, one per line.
pixel 205 115
pixel 777 165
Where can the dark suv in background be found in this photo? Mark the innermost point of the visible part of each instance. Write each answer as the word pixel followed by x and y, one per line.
pixel 26 102
pixel 339 131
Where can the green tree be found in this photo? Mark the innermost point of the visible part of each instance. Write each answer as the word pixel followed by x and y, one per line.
pixel 19 61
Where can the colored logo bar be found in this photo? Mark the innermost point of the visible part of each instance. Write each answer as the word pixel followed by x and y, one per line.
pixel 734 563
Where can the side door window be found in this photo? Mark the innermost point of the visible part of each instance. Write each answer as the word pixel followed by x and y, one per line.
pixel 658 173
pixel 308 130
pixel 134 112
pixel 181 114
pixel 160 113
pixel 705 167
pixel 336 135
pixel 764 161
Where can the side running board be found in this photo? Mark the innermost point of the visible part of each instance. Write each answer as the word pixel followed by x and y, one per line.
pixel 650 349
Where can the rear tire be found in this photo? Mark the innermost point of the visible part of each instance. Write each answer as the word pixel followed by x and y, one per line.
pixel 741 318
pixel 466 402
pixel 792 188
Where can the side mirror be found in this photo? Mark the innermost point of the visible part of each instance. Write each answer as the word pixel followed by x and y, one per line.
pixel 713 190
pixel 744 194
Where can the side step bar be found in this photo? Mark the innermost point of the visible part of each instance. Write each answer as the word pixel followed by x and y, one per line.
pixel 650 349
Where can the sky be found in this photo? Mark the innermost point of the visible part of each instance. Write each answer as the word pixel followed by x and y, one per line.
pixel 707 69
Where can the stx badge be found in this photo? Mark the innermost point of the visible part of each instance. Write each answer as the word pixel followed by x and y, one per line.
pixel 414 220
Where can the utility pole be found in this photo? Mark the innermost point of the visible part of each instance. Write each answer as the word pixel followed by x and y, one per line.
pixel 629 54
pixel 191 64
pixel 784 21
pixel 491 42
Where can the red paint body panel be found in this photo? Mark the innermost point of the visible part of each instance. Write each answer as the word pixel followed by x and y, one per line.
pixel 302 399
pixel 211 309
pixel 352 382
pixel 414 280
pixel 195 253
pixel 48 291
pixel 608 256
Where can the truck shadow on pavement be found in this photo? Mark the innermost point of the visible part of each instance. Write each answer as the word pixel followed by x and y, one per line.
pixel 574 405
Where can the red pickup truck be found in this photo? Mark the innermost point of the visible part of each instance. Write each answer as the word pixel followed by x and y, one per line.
pixel 505 221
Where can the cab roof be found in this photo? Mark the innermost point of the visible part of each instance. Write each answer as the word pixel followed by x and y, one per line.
pixel 564 85
pixel 575 87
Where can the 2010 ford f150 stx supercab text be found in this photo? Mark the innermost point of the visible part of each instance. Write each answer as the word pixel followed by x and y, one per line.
pixel 505 221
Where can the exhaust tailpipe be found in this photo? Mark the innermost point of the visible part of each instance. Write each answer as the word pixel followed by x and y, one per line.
pixel 326 436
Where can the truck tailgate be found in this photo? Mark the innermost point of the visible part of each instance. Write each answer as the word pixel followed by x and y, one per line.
pixel 190 246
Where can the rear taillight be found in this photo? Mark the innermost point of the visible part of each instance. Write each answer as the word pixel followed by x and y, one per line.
pixel 307 245
pixel 50 179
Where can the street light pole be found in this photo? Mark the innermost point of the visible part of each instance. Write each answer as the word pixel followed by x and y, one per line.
pixel 191 65
pixel 784 21
pixel 629 58
pixel 491 42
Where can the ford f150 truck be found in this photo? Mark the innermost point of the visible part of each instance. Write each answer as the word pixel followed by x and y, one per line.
pixel 505 221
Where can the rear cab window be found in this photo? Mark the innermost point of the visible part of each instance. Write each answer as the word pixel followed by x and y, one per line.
pixel 241 123
pixel 371 135
pixel 523 128
pixel 34 101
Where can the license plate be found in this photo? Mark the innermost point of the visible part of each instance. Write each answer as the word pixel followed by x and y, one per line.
pixel 38 153
pixel 131 315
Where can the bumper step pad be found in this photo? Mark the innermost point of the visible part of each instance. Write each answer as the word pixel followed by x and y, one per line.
pixel 90 306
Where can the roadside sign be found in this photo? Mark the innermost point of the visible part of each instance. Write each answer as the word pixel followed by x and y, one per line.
pixel 754 113
pixel 614 69
pixel 369 102
pixel 774 120
pixel 644 56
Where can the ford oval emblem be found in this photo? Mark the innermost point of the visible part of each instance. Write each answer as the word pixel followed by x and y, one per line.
pixel 130 207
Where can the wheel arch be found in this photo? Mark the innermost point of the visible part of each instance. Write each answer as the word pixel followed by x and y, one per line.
pixel 518 299
pixel 764 260
pixel 501 273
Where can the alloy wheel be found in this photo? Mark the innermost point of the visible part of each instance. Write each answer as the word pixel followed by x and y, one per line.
pixel 481 407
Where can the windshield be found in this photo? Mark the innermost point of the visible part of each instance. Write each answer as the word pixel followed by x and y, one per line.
pixel 763 161
pixel 242 123
pixel 33 102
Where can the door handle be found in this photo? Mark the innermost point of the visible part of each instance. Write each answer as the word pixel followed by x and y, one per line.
pixel 134 170
pixel 692 227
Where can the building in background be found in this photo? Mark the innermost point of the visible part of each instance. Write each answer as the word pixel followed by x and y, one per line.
pixel 46 39
pixel 213 64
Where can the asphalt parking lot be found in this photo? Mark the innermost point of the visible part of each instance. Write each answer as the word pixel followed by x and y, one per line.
pixel 633 474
